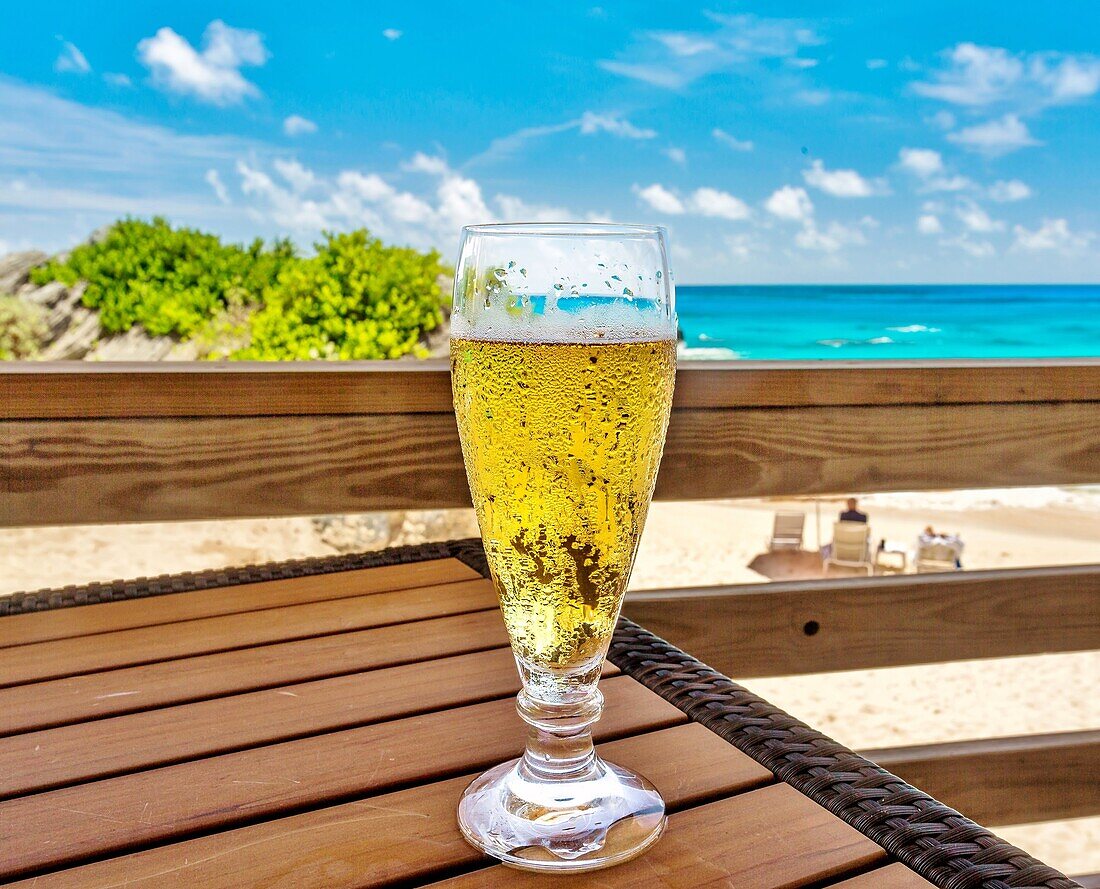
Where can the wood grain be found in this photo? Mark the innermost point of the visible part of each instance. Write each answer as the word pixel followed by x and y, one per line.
pixel 406 835
pixel 80 471
pixel 893 876
pixel 761 630
pixel 772 838
pixel 62 826
pixel 1000 781
pixel 56 702
pixel 72 754
pixel 81 390
pixel 86 654
pixel 63 623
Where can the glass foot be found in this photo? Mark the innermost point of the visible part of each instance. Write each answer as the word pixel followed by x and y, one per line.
pixel 602 816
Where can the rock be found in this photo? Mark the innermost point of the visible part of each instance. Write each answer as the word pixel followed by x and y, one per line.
pixel 47 296
pixel 136 345
pixel 358 533
pixel 425 525
pixel 77 334
pixel 15 268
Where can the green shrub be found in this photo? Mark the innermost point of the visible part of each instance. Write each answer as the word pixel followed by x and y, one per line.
pixel 22 328
pixel 357 298
pixel 169 281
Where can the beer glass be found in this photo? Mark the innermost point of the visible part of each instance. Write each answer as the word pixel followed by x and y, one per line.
pixel 563 359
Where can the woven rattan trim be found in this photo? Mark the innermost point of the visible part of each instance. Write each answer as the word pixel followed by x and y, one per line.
pixel 934 840
pixel 467 551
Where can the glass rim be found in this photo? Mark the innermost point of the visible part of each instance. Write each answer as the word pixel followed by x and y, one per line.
pixel 567 229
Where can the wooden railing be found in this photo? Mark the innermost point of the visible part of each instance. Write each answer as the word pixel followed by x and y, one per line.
pixel 115 443
pixel 84 443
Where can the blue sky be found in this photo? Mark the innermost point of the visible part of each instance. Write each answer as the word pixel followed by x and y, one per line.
pixel 779 142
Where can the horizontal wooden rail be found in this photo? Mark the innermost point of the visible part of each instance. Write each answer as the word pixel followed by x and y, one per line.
pixel 82 390
pixel 113 443
pixel 790 628
pixel 1001 781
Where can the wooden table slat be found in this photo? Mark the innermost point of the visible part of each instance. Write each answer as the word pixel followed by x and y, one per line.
pixel 772 838
pixel 893 876
pixel 61 826
pixel 67 657
pixel 408 834
pixel 71 754
pixel 61 623
pixel 93 695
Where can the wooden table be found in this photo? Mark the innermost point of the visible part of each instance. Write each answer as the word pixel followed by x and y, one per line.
pixel 312 724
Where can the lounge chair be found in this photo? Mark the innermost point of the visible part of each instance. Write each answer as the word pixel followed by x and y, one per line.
pixel 787 531
pixel 851 547
pixel 936 557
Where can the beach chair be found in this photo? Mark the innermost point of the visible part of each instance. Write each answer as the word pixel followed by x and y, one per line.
pixel 787 531
pixel 933 557
pixel 851 547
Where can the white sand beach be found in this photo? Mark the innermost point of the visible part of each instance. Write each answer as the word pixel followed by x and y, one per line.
pixel 713 542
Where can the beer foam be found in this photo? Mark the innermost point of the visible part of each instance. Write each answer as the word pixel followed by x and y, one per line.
pixel 606 321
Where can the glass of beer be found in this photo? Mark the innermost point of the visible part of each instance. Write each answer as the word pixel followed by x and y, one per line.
pixel 563 359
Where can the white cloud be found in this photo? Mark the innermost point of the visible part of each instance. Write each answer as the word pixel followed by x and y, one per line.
pixel 676 155
pixel 215 182
pixel 927 165
pixel 929 224
pixel 976 219
pixel 654 75
pixel 943 119
pixel 922 162
pixel 298 177
pixel 995 137
pixel 1068 78
pixel 660 198
pixel 948 183
pixel 296 125
pixel 588 124
pixel 813 97
pixel 840 183
pixel 513 209
pixel 674 59
pixel 71 60
pixel 309 203
pixel 977 76
pixel 744 245
pixel 977 249
pixel 114 78
pixel 790 203
pixel 712 202
pixel 433 165
pixel 1052 234
pixel 1006 191
pixel 612 123
pixel 212 75
pixel 683 43
pixel 803 64
pixel 84 167
pixel 876 64
pixel 731 141
pixel 832 238
pixel 392 34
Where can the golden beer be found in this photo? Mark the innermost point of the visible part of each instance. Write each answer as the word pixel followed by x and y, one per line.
pixel 561 442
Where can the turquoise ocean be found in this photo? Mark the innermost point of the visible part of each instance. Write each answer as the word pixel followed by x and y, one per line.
pixel 889 321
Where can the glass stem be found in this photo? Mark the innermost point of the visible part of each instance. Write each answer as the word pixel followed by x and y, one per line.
pixel 559 744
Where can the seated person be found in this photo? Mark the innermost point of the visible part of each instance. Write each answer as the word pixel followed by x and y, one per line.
pixel 930 536
pixel 852 513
